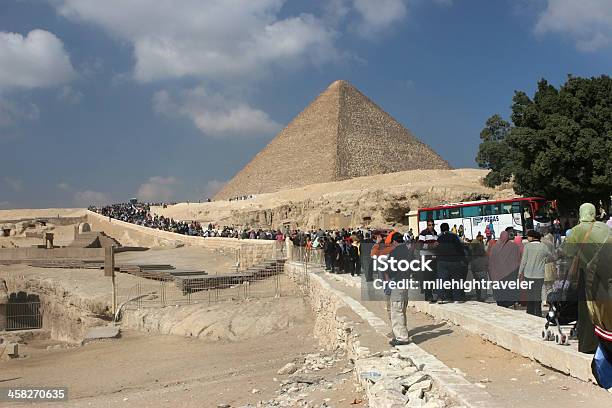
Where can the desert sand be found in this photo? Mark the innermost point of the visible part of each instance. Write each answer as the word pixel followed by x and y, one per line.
pixel 382 199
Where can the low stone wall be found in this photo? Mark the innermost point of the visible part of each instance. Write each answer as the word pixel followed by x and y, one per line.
pixel 248 251
pixel 402 376
pixel 24 255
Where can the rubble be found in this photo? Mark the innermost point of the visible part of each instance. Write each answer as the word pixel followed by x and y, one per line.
pixel 399 383
pixel 297 389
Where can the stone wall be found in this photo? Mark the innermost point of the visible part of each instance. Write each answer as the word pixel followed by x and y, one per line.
pixel 397 381
pixel 401 376
pixel 24 255
pixel 248 252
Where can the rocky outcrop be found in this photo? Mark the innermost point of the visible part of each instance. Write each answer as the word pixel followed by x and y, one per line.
pixel 377 201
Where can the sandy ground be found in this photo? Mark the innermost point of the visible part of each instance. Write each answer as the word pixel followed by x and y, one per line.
pixel 141 370
pixel 16 214
pixel 192 258
pixel 503 374
pixel 241 346
pixel 405 181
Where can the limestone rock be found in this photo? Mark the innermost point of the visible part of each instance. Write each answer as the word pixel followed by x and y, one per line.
pixel 424 385
pixel 414 379
pixel 348 136
pixel 289 368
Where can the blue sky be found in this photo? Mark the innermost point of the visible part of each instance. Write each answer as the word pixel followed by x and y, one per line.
pixel 107 100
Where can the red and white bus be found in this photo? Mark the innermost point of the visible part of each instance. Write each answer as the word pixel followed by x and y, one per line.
pixel 522 214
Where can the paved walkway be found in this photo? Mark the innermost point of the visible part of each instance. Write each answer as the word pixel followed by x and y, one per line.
pixel 511 329
pixel 453 383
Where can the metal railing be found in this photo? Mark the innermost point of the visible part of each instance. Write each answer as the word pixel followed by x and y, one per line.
pixel 23 315
pixel 313 256
pixel 259 282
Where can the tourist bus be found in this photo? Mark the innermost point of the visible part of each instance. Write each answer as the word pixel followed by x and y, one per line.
pixel 522 214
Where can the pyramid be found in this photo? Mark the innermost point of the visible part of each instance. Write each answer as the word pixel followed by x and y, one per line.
pixel 342 134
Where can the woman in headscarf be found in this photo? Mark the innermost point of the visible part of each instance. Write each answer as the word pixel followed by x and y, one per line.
pixel 518 240
pixel 504 262
pixel 580 244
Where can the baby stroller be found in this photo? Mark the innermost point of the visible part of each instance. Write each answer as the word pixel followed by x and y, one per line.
pixel 563 308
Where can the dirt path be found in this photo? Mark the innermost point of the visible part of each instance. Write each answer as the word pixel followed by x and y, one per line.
pixel 190 258
pixel 142 370
pixel 505 375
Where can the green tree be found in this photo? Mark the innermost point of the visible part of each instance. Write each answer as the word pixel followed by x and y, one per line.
pixel 559 144
pixel 493 151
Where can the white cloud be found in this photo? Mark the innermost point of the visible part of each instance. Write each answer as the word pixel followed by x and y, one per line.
pixel 213 38
pixel 70 95
pixel 14 183
pixel 588 22
pixel 214 114
pixel 36 60
pixel 377 16
pixel 89 197
pixel 370 18
pixel 157 189
pixel 64 186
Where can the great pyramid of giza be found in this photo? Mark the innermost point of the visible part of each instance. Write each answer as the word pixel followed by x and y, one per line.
pixel 342 134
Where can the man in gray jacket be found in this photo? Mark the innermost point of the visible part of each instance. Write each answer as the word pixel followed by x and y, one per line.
pixel 535 256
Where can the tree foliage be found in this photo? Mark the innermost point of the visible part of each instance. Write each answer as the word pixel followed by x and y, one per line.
pixel 559 145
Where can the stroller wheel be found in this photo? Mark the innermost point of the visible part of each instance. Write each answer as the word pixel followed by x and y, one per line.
pixel 564 340
pixel 544 336
pixel 557 339
pixel 572 332
pixel 549 335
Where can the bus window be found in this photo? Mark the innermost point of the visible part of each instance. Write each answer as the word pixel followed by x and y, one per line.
pixel 440 214
pixel 506 208
pixel 454 212
pixel 471 211
pixel 425 215
pixel 491 209
pixel 516 207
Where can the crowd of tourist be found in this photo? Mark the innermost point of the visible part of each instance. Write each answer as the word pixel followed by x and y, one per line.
pixel 555 272
pixel 540 260
pixel 242 197
pixel 140 214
